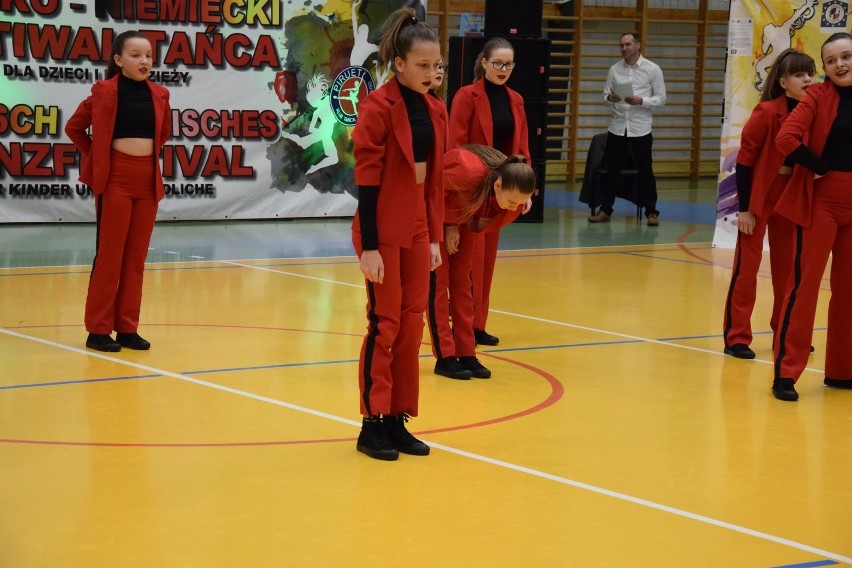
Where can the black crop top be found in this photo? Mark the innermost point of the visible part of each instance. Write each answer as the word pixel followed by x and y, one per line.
pixel 838 145
pixel 422 137
pixel 135 116
pixel 501 116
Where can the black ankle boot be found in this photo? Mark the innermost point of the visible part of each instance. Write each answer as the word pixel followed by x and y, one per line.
pixel 401 438
pixel 132 341
pixel 477 369
pixel 784 389
pixel 451 368
pixel 102 342
pixel 482 337
pixel 373 440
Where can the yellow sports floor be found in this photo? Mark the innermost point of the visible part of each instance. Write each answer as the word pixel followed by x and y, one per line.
pixel 614 432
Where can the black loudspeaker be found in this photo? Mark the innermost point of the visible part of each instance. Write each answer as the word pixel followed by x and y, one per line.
pixel 513 18
pixel 529 78
pixel 536 111
pixel 536 214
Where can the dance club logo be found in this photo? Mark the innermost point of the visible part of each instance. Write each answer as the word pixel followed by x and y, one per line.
pixel 349 87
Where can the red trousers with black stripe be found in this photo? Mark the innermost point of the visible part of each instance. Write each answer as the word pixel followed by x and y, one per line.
pixel 830 232
pixel 126 212
pixel 389 367
pixel 485 257
pixel 453 276
pixel 747 257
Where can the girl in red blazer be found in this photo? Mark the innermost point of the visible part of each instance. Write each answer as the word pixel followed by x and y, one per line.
pixel 129 118
pixel 488 112
pixel 819 201
pixel 484 191
pixel 762 174
pixel 400 139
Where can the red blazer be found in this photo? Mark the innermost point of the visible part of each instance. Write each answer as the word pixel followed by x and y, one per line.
pixel 464 173
pixel 384 157
pixel 808 124
pixel 471 123
pixel 765 158
pixel 98 111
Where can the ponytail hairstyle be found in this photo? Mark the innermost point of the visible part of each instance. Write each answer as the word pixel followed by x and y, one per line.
pixel 490 47
pixel 117 47
pixel 513 170
pixel 399 38
pixel 789 62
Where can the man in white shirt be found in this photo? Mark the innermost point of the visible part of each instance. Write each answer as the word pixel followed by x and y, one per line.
pixel 634 88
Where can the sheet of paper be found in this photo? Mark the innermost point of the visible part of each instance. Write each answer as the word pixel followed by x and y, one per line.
pixel 623 90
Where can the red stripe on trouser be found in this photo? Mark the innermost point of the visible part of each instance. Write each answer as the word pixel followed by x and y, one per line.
pixel 830 232
pixel 747 258
pixel 454 276
pixel 389 368
pixel 127 210
pixel 484 260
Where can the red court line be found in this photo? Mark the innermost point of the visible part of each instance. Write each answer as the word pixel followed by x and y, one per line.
pixel 557 390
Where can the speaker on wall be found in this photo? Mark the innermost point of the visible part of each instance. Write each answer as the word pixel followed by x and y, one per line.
pixel 506 18
pixel 536 214
pixel 529 78
pixel 536 111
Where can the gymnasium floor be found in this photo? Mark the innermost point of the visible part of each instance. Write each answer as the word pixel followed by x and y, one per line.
pixel 613 432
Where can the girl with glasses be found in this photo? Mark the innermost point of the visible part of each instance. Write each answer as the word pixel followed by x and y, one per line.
pixel 489 113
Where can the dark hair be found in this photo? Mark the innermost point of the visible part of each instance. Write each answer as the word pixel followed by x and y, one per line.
pixel 117 47
pixel 514 171
pixel 789 62
pixel 401 35
pixel 832 38
pixel 490 47
pixel 636 37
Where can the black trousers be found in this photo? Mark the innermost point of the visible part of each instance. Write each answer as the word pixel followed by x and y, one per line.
pixel 616 152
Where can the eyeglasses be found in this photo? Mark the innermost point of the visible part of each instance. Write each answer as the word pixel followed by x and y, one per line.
pixel 499 65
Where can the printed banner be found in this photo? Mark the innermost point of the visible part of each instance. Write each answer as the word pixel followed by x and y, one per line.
pixel 264 96
pixel 758 31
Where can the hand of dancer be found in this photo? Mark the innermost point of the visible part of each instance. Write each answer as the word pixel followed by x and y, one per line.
pixel 434 255
pixel 452 238
pixel 745 222
pixel 372 266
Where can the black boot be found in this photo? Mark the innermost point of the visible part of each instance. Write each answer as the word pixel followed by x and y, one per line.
pixel 785 389
pixel 477 369
pixel 132 341
pixel 449 367
pixel 373 440
pixel 102 342
pixel 482 337
pixel 401 438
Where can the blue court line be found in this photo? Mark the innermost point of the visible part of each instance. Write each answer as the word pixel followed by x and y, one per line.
pixel 278 366
pixel 339 361
pixel 566 345
pixel 813 564
pixel 643 255
pixel 78 382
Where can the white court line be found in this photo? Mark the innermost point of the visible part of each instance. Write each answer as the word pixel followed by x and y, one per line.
pixel 297 275
pixel 633 337
pixel 533 318
pixel 450 449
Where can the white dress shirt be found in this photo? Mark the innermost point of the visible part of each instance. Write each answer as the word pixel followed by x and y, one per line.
pixel 647 80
